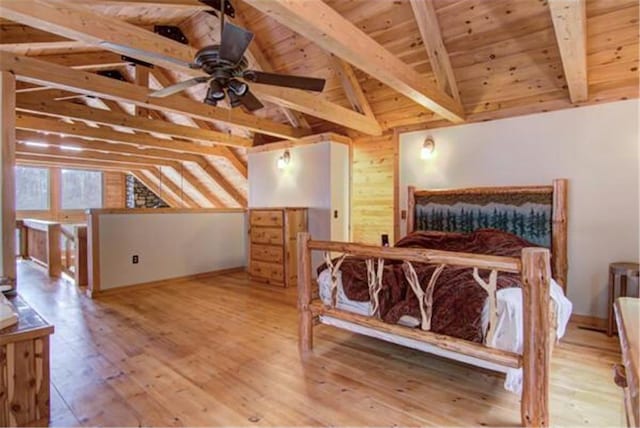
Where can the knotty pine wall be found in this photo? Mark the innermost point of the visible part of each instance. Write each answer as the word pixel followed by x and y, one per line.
pixel 114 190
pixel 372 188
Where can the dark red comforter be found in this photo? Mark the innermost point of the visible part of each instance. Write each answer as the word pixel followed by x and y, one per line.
pixel 457 298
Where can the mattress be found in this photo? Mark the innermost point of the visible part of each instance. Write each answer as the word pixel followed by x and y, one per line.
pixel 508 334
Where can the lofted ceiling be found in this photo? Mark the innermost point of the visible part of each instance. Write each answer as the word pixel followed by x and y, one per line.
pixel 388 64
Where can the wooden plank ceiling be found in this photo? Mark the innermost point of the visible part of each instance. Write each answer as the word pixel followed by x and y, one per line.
pixel 388 64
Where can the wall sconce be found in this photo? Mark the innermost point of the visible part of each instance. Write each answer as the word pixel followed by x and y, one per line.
pixel 428 148
pixel 284 160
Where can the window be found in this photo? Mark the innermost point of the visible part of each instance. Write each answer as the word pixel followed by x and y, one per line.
pixel 81 189
pixel 32 188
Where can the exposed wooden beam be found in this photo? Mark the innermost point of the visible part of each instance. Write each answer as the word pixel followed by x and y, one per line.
pixel 80 23
pixel 194 5
pixel 20 37
pixel 166 197
pixel 141 79
pixel 202 188
pixel 105 134
pixel 318 22
pixel 56 152
pixel 27 87
pixel 83 131
pixel 317 106
pixel 351 86
pixel 47 74
pixel 114 106
pixel 45 93
pixel 110 118
pixel 86 60
pixel 7 180
pixel 163 178
pixel 77 22
pixel 39 160
pixel 429 27
pixel 217 176
pixel 71 143
pixel 570 24
pixel 311 139
pixel 238 163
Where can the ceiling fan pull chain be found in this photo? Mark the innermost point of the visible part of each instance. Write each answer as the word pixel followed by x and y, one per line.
pixel 222 4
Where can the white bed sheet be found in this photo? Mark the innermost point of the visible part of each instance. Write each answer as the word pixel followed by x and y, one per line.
pixel 509 329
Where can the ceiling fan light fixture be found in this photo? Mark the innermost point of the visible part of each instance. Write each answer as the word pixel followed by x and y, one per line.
pixel 234 100
pixel 237 87
pixel 214 93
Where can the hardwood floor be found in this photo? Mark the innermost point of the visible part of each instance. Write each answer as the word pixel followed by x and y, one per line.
pixel 222 351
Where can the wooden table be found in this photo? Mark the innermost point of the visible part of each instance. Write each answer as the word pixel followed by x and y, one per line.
pixel 628 318
pixel 24 369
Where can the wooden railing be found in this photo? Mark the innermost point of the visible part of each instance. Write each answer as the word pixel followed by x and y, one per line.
pixel 60 248
pixel 74 252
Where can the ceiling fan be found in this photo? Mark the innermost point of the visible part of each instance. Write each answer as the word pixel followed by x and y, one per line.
pixel 227 73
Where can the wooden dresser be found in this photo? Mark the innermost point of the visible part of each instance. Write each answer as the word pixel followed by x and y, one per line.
pixel 627 310
pixel 24 369
pixel 272 244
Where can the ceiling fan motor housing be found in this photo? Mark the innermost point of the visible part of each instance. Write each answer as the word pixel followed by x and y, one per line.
pixel 208 59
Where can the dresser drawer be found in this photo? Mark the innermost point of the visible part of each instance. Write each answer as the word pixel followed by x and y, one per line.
pixel 267 253
pixel 266 235
pixel 269 271
pixel 272 218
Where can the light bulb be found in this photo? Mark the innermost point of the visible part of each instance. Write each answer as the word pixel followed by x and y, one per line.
pixel 283 161
pixel 428 149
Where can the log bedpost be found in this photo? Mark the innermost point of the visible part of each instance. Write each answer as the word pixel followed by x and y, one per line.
pixel 559 232
pixel 536 353
pixel 305 317
pixel 411 210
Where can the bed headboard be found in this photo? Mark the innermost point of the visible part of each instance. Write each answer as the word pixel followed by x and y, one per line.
pixel 535 213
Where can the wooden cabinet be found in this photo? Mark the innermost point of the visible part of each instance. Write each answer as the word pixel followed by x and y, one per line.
pixel 24 369
pixel 272 240
pixel 627 311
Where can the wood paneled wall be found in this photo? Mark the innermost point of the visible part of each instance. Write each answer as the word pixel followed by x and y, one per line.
pixel 113 190
pixel 373 182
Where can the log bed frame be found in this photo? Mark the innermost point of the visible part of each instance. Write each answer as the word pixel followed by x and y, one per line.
pixel 535 266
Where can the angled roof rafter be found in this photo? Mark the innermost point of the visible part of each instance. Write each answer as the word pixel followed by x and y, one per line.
pixel 319 23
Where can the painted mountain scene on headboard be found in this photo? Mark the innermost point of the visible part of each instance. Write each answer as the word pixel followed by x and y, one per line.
pixel 523 213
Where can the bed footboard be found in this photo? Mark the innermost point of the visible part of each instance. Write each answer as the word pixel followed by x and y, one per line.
pixel 537 320
pixel 534 266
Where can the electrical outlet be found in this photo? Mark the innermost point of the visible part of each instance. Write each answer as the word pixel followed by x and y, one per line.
pixel 335 213
pixel 135 259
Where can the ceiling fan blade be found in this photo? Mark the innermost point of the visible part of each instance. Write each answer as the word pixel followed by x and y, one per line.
pixel 173 89
pixel 139 53
pixel 235 41
pixel 285 80
pixel 250 101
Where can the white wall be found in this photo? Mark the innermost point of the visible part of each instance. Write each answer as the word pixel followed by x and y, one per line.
pixel 317 178
pixel 168 245
pixel 340 201
pixel 306 182
pixel 595 147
